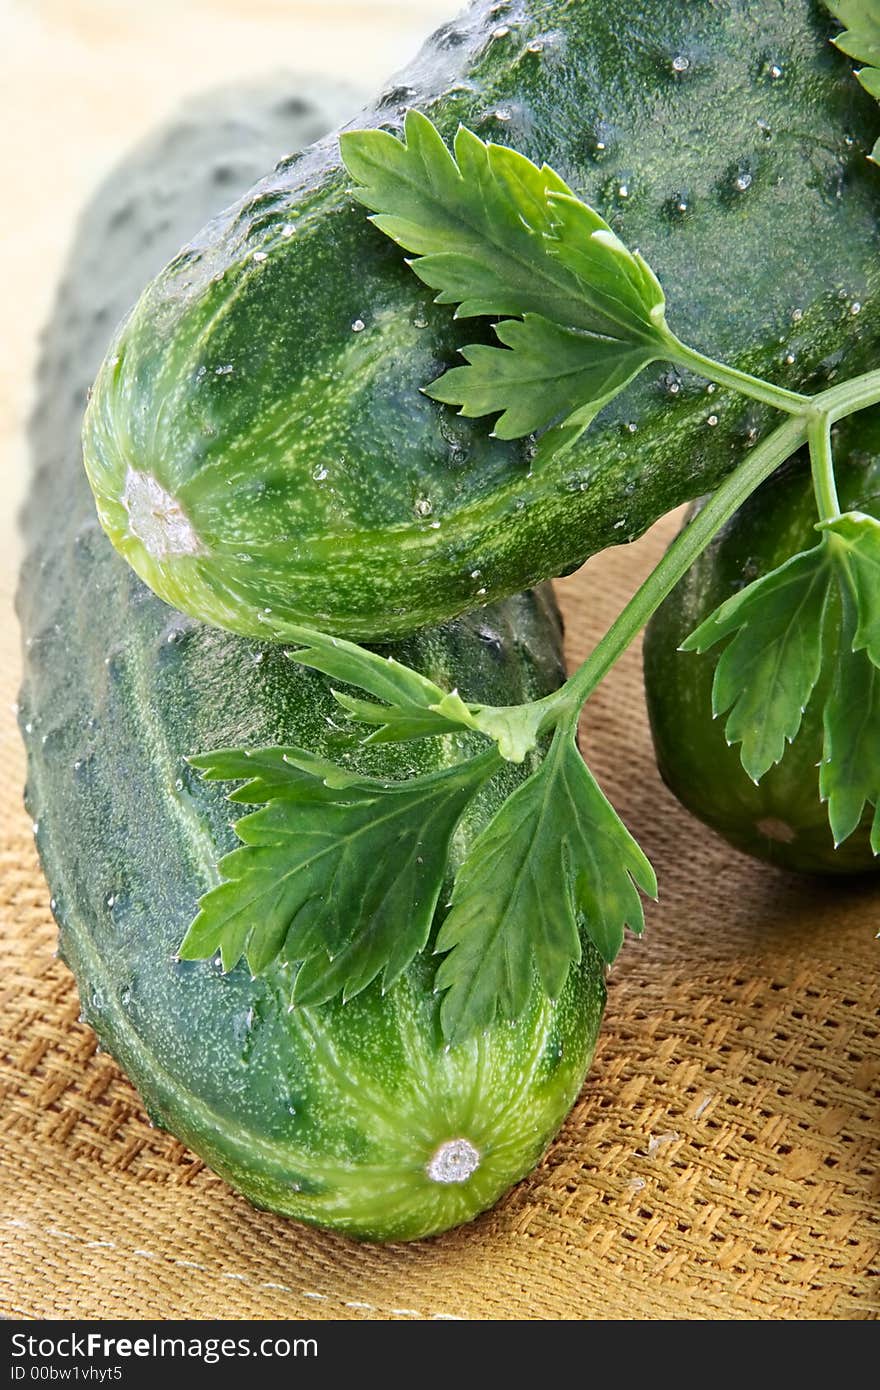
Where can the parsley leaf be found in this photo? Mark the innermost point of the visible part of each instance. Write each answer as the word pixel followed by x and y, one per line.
pixel 337 873
pixel 849 774
pixel 858 537
pixel 769 670
pixel 861 41
pixel 548 374
pixel 476 220
pixel 767 673
pixel 496 235
pixel 554 856
pixel 620 281
pixel 415 707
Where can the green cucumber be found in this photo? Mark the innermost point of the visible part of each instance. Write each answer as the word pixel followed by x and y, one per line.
pixel 782 818
pixel 257 442
pixel 352 1116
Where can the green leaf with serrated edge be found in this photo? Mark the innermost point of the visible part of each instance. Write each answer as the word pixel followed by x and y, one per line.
pixel 543 374
pixel 861 41
pixel 416 707
pixel 337 873
pixel 394 725
pixel 767 672
pixel 632 296
pixel 496 235
pixel 858 550
pixel 861 36
pixel 556 854
pixel 476 220
pixel 268 771
pixel 380 676
pixel 849 774
pixel 870 80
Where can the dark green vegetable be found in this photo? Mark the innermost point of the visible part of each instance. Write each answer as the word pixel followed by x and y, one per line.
pixel 782 818
pixel 258 441
pixel 353 1115
pixel 495 234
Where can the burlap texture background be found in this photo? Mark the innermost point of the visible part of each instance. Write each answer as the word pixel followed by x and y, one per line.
pixel 719 1164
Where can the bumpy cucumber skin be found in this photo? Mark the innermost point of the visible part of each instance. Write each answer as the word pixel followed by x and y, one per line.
pixel 782 819
pixel 331 1115
pixel 322 486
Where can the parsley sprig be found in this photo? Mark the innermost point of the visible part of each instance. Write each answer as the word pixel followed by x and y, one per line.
pixel 496 235
pixel 340 877
pixel 768 671
pixel 556 855
pixel 775 630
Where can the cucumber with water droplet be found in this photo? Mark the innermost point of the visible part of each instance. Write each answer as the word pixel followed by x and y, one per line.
pixel 352 1116
pixel 258 441
pixel 781 818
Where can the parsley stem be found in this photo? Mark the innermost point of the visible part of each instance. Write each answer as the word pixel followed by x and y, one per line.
pixel 730 495
pixel 849 397
pixel 746 385
pixel 822 464
pixel 810 423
